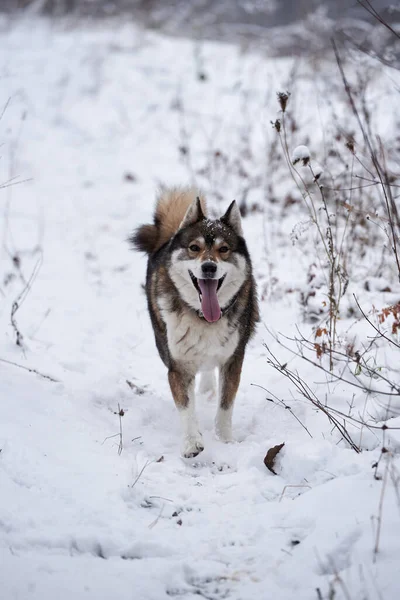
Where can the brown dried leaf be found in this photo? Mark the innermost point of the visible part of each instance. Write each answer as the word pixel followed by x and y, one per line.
pixel 269 460
pixel 318 350
pixel 320 331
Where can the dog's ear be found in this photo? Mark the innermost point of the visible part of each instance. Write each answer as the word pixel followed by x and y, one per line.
pixel 193 214
pixel 233 219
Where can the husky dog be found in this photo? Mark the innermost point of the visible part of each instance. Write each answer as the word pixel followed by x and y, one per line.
pixel 202 302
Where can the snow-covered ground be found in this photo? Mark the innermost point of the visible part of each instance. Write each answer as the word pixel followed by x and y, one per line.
pixel 94 119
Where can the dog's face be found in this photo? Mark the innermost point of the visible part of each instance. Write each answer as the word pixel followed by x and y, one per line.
pixel 208 262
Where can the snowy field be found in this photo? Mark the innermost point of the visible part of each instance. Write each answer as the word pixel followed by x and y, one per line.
pixel 92 122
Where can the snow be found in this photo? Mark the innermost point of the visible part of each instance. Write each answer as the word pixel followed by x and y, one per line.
pixel 78 518
pixel 317 170
pixel 301 153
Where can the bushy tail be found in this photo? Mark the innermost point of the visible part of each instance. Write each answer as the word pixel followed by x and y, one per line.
pixel 171 207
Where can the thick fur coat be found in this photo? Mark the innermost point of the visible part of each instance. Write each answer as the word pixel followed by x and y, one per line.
pixel 202 302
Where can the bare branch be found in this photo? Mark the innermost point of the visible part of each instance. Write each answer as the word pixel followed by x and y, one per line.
pixel 9 362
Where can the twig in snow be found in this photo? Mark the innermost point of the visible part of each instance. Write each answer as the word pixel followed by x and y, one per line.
pixel 307 392
pixel 380 509
pixel 284 406
pixel 18 335
pixel 384 484
pixel 147 463
pixel 109 437
pixel 11 182
pixel 120 413
pixel 300 485
pixel 9 362
pixel 154 523
pixel 16 305
pixel 161 498
pixel 5 108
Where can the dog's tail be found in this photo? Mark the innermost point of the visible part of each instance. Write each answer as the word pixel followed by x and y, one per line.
pixel 171 207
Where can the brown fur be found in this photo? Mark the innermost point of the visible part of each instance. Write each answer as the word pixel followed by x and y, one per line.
pixel 145 238
pixel 171 208
pixel 179 383
pixel 153 298
pixel 230 379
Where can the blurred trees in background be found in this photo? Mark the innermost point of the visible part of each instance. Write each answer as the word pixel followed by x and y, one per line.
pixel 265 13
pixel 281 27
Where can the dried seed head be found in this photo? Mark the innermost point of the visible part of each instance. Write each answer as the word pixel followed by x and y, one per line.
pixel 350 144
pixel 276 125
pixel 283 98
pixel 317 171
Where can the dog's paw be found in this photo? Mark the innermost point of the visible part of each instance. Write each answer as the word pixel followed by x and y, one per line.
pixel 192 446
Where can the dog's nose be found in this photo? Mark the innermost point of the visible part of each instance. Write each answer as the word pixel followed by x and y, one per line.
pixel 209 269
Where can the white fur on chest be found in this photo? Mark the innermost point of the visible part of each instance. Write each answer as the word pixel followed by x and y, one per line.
pixel 193 340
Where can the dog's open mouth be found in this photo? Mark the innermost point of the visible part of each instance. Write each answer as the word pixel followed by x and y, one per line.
pixel 207 290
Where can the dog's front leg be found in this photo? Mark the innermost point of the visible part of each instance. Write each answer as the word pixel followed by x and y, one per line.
pixel 229 379
pixel 182 388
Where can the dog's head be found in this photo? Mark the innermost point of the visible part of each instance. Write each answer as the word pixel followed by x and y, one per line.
pixel 209 260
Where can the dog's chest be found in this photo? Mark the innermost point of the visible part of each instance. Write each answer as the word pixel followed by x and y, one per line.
pixel 193 340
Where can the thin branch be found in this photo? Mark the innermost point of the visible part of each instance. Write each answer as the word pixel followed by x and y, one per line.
pixel 11 183
pixel 120 414
pixel 381 334
pixel 383 178
pixel 284 406
pixel 336 377
pixel 147 463
pixel 5 108
pixel 16 305
pixel 300 485
pixel 9 362
pixel 380 510
pixel 374 13
pixel 306 391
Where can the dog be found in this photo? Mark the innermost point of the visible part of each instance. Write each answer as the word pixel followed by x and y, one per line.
pixel 202 301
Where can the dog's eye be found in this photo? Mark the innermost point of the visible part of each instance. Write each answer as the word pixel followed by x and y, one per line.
pixel 224 249
pixel 194 248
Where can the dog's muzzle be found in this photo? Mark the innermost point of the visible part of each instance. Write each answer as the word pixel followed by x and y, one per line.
pixel 207 288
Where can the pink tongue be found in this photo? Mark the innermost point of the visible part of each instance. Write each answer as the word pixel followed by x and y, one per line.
pixel 209 301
